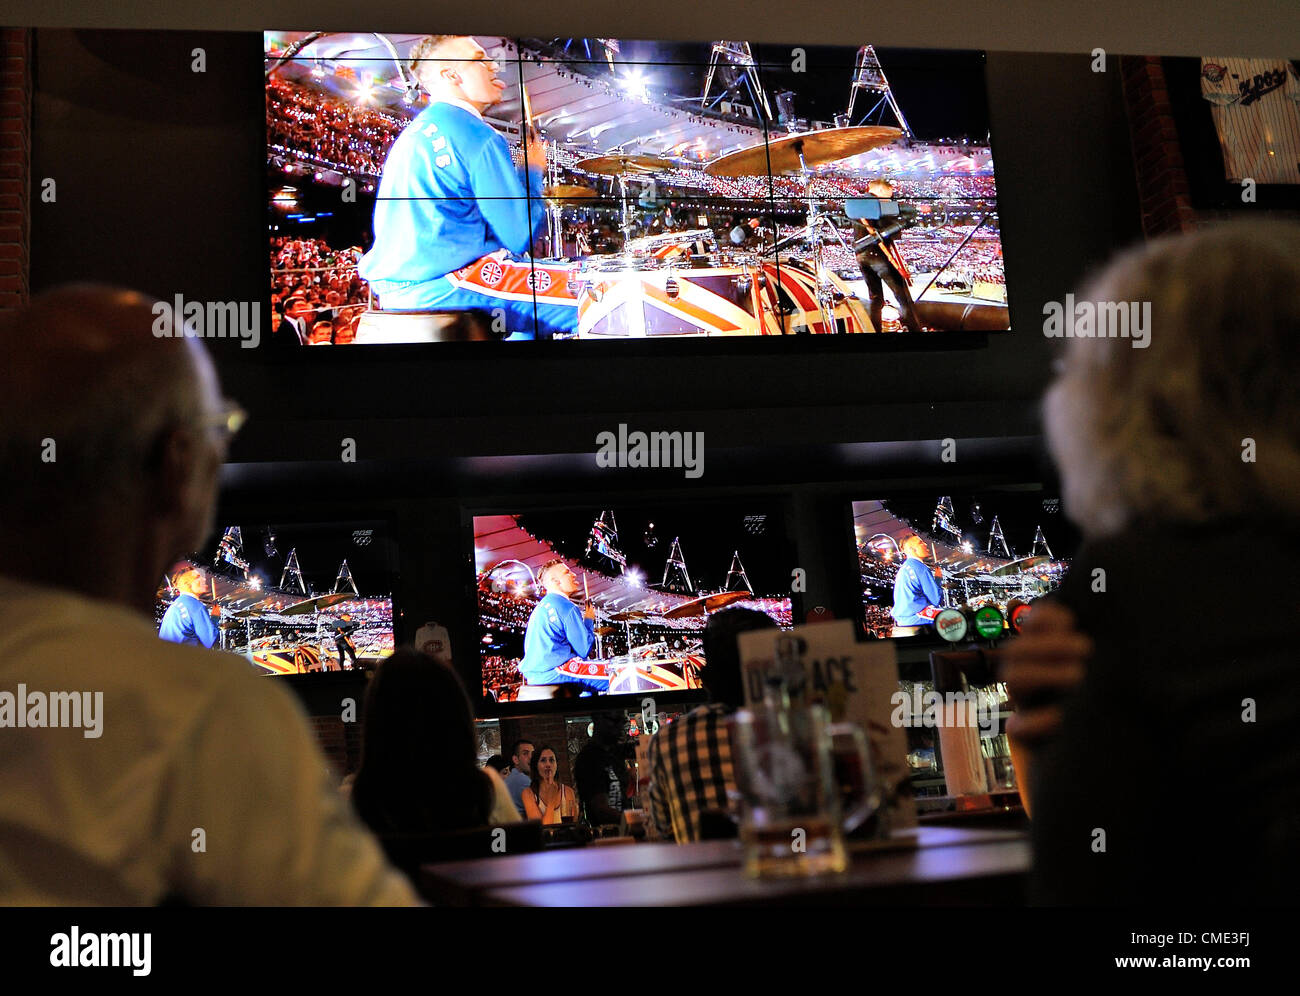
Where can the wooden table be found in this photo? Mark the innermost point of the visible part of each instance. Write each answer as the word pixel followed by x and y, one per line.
pixel 924 866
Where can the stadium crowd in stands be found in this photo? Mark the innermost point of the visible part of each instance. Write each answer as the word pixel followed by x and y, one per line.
pixel 317 288
pixel 307 124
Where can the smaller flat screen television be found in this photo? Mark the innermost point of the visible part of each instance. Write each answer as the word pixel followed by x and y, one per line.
pixel 291 598
pixel 1002 548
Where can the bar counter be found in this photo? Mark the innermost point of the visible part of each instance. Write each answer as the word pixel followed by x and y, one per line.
pixel 928 865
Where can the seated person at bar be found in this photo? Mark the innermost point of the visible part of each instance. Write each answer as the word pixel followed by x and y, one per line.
pixel 520 775
pixel 690 759
pixel 1174 777
pixel 187 619
pixel 174 737
pixel 558 631
pixel 600 770
pixel 917 597
pixel 419 759
pixel 547 798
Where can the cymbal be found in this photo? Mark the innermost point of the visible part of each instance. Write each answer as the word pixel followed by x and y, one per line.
pixel 706 603
pixel 629 616
pixel 606 630
pixel 724 598
pixel 565 191
pixel 300 608
pixel 617 165
pixel 316 603
pixel 695 607
pixel 1020 566
pixel 781 155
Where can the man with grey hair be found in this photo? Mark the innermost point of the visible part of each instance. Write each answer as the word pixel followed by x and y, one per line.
pixel 205 782
pixel 451 196
pixel 559 633
pixel 188 619
pixel 917 595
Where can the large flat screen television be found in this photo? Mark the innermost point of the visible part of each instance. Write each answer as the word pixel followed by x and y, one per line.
pixel 430 188
pixel 652 576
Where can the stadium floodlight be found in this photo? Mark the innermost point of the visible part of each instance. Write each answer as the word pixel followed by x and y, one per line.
pixel 635 84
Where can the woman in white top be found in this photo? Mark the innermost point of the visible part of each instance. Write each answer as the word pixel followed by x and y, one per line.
pixel 547 799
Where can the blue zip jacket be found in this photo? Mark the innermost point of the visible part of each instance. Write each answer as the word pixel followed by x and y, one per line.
pixel 187 621
pixel 914 589
pixel 557 631
pixel 449 195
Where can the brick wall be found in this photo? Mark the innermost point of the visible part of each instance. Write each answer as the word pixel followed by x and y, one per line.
pixel 1162 179
pixel 332 735
pixel 15 164
pixel 549 730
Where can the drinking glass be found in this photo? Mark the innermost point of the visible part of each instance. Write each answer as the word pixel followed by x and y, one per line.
pixel 801 781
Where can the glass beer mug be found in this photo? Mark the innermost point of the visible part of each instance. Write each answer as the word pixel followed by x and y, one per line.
pixel 803 782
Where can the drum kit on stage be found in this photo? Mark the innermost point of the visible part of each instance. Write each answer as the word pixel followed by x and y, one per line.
pixel 243 606
pixel 654 666
pixel 683 283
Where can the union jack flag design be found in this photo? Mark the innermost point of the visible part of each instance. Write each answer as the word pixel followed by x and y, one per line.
pixel 772 299
pixel 497 275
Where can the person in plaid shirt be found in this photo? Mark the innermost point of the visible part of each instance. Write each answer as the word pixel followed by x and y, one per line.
pixel 690 758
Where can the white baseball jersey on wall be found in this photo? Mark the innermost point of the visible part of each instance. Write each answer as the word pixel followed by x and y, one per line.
pixel 432 639
pixel 1256 112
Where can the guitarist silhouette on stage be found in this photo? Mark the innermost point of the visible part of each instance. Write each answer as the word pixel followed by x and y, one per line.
pixel 880 263
pixel 342 630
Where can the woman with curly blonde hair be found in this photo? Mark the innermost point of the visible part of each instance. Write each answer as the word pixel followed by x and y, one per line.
pixel 1169 770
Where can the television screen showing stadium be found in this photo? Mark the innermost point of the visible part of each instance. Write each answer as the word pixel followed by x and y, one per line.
pixel 429 188
pixel 614 600
pixel 291 598
pixel 922 554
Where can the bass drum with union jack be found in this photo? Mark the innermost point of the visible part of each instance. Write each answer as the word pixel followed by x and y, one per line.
pixel 734 297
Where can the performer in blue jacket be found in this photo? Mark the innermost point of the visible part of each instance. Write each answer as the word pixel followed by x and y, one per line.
pixel 917 597
pixel 450 195
pixel 558 631
pixel 187 619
